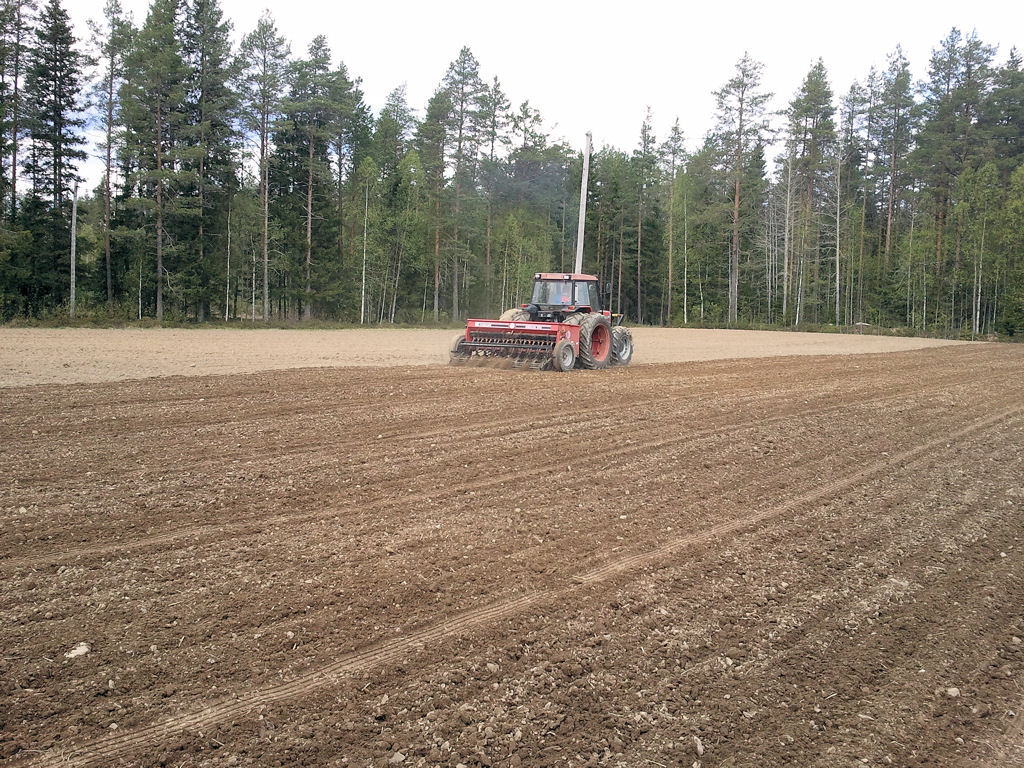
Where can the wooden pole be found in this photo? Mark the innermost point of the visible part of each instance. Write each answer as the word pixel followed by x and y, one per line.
pixel 583 207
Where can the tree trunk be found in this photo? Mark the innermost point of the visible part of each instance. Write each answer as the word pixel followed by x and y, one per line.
pixel 839 171
pixel 437 253
pixel 455 253
pixel 734 255
pixel 265 199
pixel 671 240
pixel 15 110
pixel 686 262
pixel 341 208
pixel 307 304
pixel 201 309
pixel 106 183
pixel 639 241
pixel 619 291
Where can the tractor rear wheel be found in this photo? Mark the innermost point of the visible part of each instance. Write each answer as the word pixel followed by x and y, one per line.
pixel 595 341
pixel 515 314
pixel 564 356
pixel 622 345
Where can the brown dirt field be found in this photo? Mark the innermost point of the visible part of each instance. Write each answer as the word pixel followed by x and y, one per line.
pixel 800 561
pixel 63 356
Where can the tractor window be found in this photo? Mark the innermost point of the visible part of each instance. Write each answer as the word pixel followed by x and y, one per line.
pixel 582 297
pixel 595 298
pixel 552 292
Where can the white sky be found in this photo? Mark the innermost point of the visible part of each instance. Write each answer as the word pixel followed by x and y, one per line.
pixel 598 66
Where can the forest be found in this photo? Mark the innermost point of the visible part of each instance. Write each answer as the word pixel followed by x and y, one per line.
pixel 247 182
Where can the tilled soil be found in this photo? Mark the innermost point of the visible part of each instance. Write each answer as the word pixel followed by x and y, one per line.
pixel 809 561
pixel 93 355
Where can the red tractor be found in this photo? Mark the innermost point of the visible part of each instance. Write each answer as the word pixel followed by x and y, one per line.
pixel 563 327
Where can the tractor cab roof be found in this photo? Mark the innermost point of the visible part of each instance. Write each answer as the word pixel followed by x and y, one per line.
pixel 563 276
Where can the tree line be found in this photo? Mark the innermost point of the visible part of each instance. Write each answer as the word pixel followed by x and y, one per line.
pixel 247 182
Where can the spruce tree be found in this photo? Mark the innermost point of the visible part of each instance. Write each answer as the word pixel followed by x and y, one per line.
pixel 15 42
pixel 465 93
pixel 351 139
pixel 431 141
pixel 53 86
pixel 1004 112
pixel 208 140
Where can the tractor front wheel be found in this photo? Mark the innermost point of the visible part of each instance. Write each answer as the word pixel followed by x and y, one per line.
pixel 564 356
pixel 515 314
pixel 595 341
pixel 622 345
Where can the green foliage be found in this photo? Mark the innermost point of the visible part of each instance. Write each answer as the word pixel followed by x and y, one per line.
pixel 252 186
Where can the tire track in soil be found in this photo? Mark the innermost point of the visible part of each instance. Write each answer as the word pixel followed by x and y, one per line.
pixel 107 750
pixel 930 377
pixel 799 647
pixel 290 408
pixel 1009 753
pixel 257 523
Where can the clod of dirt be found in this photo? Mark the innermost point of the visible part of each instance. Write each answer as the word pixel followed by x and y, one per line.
pixel 79 650
pixel 698 746
pixel 397 758
pixel 953 692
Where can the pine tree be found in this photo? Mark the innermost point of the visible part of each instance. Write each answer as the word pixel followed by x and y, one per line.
pixel 263 65
pixel 153 102
pixel 112 42
pixel 811 143
pixel 311 111
pixel 494 121
pixel 644 163
pixel 673 153
pixel 741 125
pixel 949 141
pixel 897 117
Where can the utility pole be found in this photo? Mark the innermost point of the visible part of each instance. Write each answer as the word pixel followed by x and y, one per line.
pixel 583 207
pixel 74 238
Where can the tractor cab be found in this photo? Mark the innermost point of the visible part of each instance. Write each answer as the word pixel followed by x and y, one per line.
pixel 558 295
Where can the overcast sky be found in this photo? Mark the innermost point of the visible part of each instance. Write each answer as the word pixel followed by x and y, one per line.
pixel 598 67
